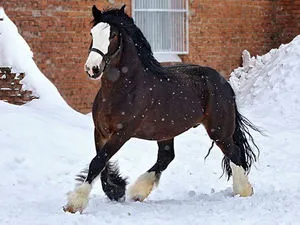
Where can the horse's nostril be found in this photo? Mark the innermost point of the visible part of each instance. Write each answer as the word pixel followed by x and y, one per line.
pixel 87 68
pixel 95 69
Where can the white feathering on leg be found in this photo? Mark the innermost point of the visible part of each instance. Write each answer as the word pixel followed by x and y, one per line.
pixel 241 185
pixel 79 198
pixel 143 186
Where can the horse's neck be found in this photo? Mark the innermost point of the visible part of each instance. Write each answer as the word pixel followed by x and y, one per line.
pixel 130 60
pixel 127 72
pixel 129 66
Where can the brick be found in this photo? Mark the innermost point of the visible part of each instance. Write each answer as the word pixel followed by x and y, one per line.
pixel 11 89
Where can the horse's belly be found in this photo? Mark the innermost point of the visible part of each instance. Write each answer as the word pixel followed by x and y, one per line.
pixel 162 130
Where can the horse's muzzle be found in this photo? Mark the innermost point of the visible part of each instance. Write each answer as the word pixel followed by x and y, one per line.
pixel 93 73
pixel 94 76
pixel 96 71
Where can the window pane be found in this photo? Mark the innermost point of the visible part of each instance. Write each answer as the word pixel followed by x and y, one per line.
pixel 164 23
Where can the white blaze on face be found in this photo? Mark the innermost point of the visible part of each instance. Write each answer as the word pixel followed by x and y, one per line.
pixel 100 34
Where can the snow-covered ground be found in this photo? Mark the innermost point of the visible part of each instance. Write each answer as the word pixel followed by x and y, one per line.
pixel 45 143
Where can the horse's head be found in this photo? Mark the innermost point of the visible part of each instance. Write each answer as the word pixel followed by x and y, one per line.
pixel 114 36
pixel 106 43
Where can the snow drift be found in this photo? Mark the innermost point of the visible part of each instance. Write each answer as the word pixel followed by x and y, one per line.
pixel 271 82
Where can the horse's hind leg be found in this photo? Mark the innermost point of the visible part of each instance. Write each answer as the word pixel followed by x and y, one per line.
pixel 144 184
pixel 234 162
pixel 234 165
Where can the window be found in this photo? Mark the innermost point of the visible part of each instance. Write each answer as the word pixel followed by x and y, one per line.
pixel 165 25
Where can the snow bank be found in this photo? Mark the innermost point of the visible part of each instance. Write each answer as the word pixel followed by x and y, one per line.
pixel 270 84
pixel 15 53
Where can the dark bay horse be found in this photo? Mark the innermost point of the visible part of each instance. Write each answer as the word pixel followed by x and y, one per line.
pixel 140 98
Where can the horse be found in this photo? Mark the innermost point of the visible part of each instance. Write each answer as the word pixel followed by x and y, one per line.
pixel 140 98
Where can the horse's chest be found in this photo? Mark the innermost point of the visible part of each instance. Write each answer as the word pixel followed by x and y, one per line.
pixel 111 117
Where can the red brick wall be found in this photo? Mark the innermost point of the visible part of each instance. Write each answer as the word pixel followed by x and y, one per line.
pixel 58 33
pixel 287 21
pixel 221 30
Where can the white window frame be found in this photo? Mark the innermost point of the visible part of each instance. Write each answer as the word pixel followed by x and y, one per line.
pixel 168 56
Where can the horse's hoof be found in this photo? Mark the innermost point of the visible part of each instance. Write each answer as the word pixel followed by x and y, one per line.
pixel 143 186
pixel 138 198
pixel 70 209
pixel 247 192
pixel 78 199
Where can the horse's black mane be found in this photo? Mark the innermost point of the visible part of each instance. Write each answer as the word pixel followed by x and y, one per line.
pixel 118 18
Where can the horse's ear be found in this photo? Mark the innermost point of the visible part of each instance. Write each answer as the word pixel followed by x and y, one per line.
pixel 123 8
pixel 96 12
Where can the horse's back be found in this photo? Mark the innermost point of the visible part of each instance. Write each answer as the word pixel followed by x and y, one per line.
pixel 193 70
pixel 216 95
pixel 209 77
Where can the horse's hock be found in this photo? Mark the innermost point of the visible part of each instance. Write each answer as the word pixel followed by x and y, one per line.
pixel 11 89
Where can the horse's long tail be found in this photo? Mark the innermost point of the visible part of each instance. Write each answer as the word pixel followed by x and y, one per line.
pixel 240 138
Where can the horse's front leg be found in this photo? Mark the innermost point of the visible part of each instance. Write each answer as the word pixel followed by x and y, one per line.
pixel 78 199
pixel 113 185
pixel 145 183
